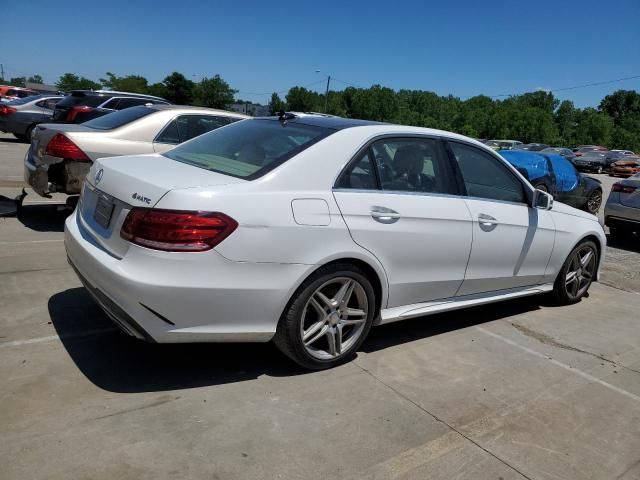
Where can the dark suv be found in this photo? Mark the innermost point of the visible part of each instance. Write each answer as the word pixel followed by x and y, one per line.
pixel 82 105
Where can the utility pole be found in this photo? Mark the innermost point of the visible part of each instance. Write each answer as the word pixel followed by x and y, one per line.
pixel 2 71
pixel 326 95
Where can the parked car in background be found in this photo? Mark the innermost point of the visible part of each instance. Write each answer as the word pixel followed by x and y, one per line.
pixel 555 174
pixel 613 156
pixel 562 151
pixel 330 227
pixel 624 152
pixel 61 154
pixel 582 149
pixel 20 116
pixel 82 105
pixel 625 167
pixel 593 161
pixel 8 93
pixel 502 144
pixel 622 211
pixel 532 147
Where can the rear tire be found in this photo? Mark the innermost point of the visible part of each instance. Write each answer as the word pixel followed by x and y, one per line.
pixel 599 169
pixel 594 202
pixel 28 133
pixel 577 274
pixel 328 317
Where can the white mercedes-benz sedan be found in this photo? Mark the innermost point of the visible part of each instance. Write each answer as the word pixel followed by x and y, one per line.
pixel 309 230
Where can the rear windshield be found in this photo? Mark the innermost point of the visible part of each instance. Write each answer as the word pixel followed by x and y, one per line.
pixel 22 101
pixel 248 149
pixel 82 99
pixel 119 118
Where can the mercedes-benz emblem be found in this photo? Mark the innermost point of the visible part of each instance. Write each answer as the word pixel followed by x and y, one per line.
pixel 98 176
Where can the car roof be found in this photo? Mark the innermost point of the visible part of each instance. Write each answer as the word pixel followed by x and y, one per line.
pixel 188 108
pixel 116 93
pixel 321 120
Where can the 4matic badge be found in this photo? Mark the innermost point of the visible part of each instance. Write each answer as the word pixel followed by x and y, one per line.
pixel 140 198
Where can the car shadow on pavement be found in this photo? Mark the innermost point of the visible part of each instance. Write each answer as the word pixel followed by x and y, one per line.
pixel 43 218
pixel 630 242
pixel 10 140
pixel 418 328
pixel 118 363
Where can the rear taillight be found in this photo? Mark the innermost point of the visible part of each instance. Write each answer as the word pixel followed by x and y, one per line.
pixel 60 146
pixel 6 110
pixel 176 230
pixel 74 111
pixel 619 187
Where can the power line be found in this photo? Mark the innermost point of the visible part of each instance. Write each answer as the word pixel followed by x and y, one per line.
pixel 282 91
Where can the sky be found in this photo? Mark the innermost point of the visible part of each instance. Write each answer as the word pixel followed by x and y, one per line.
pixel 463 47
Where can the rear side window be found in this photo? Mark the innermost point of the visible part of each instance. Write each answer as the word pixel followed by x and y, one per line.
pixel 186 127
pixel 119 118
pixel 412 165
pixel 132 102
pixel 82 99
pixel 359 175
pixel 250 148
pixel 485 176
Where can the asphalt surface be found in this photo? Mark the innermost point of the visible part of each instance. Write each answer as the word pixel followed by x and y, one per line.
pixel 514 390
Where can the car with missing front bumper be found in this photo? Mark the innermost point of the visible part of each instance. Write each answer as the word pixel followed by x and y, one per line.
pixel 622 210
pixel 308 230
pixel 60 155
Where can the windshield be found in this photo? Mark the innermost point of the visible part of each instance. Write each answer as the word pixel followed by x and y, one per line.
pixel 248 149
pixel 119 118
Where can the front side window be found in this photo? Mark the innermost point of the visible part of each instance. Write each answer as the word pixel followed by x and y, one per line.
pixel 250 148
pixel 412 165
pixel 485 176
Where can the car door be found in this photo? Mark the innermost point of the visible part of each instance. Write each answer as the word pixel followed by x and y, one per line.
pixel 398 200
pixel 512 242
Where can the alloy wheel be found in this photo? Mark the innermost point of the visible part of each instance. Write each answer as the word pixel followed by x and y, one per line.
pixel 580 272
pixel 334 318
pixel 594 201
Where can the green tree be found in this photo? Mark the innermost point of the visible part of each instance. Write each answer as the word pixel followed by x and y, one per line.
pixel 35 79
pixel 213 92
pixel 130 83
pixel 71 81
pixel 178 89
pixel 18 81
pixel 299 99
pixel 594 127
pixel 276 104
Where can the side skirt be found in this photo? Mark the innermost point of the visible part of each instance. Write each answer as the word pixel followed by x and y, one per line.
pixel 389 315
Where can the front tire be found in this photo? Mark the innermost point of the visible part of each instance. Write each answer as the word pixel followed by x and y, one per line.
pixel 577 274
pixel 594 201
pixel 328 317
pixel 599 169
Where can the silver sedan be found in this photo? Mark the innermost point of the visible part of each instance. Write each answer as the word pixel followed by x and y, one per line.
pixel 622 211
pixel 61 154
pixel 21 116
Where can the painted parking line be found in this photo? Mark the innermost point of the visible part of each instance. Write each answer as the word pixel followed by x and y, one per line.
pixel 32 241
pixel 50 338
pixel 557 363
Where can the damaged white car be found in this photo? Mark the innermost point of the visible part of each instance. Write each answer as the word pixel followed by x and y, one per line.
pixel 61 154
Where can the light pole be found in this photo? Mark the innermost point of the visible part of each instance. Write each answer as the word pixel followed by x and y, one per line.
pixel 326 92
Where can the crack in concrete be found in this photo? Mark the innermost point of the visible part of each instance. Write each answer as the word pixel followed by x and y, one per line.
pixel 440 420
pixel 552 342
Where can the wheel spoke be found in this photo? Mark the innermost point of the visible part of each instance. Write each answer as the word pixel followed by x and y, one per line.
pixel 571 277
pixel 343 295
pixel 310 333
pixel 584 261
pixel 352 321
pixel 586 274
pixel 318 335
pixel 338 333
pixel 318 308
pixel 355 312
pixel 324 300
pixel 331 341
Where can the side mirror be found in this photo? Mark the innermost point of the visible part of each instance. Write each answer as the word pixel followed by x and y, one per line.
pixel 542 200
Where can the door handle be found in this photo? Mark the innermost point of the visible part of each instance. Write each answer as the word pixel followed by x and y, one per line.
pixel 487 222
pixel 384 214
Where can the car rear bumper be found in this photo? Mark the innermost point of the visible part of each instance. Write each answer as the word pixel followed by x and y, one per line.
pixel 183 297
pixel 68 176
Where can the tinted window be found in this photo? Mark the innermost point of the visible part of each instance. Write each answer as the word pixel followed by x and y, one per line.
pixel 191 126
pixel 119 118
pixel 411 165
pixel 51 103
pixel 359 174
pixel 112 104
pixel 82 99
pixel 132 102
pixel 170 134
pixel 21 101
pixel 485 176
pixel 248 149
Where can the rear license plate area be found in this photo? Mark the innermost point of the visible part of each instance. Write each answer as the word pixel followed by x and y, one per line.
pixel 103 212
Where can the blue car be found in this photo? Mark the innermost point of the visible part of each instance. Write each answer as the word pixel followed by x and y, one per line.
pixel 555 174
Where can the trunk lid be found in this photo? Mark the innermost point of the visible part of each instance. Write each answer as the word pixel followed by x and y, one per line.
pixel 631 199
pixel 116 184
